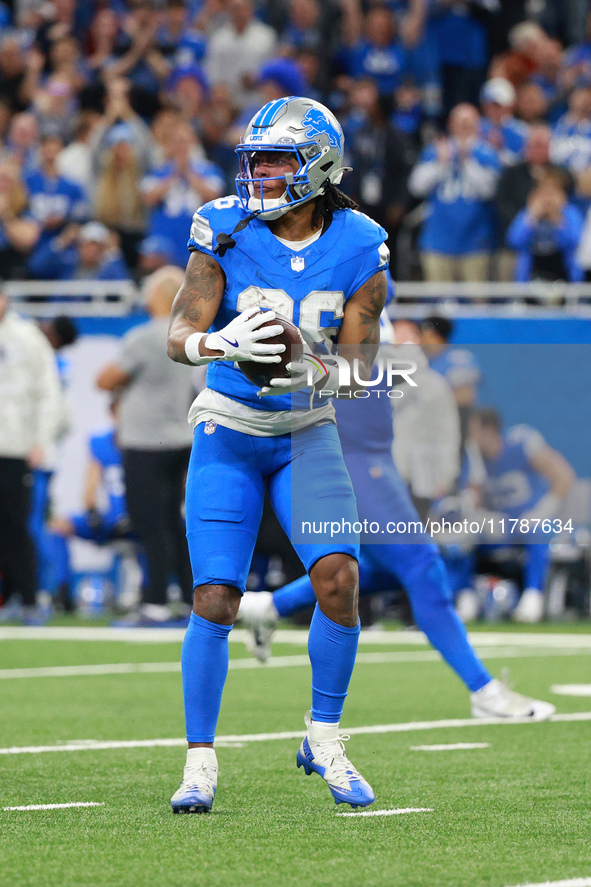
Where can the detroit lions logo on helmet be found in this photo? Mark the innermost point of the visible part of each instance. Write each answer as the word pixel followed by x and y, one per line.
pixel 316 123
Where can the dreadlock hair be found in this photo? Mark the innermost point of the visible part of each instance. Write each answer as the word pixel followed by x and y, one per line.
pixel 328 202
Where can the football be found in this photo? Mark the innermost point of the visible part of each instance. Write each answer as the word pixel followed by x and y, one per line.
pixel 260 374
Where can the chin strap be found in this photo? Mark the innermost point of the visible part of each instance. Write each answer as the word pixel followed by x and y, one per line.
pixel 226 241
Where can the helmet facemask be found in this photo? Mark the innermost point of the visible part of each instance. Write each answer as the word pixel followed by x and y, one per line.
pixel 298 188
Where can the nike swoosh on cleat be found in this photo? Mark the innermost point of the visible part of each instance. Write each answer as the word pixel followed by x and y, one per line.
pixel 233 344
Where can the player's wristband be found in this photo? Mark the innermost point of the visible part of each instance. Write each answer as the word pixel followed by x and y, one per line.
pixel 192 349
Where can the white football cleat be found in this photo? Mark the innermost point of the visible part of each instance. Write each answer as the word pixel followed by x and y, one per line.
pixel 322 751
pixel 495 700
pixel 259 614
pixel 467 605
pixel 200 779
pixel 530 607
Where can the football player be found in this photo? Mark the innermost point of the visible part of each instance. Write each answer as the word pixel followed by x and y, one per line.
pixel 290 242
pixel 415 561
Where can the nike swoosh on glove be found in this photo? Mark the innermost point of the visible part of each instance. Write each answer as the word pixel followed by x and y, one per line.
pixel 242 338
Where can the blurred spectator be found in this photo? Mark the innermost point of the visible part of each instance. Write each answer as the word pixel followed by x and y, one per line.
pixel 118 200
pixel 238 49
pixel 498 125
pixel 548 77
pixel 458 176
pixel 188 90
pixel 54 106
pixel 379 157
pixel 571 141
pixel 75 160
pixel 85 253
pixel 457 365
pixel 156 443
pixel 12 70
pixel 173 191
pixel 103 40
pixel 527 42
pixel 461 41
pixel 18 231
pixel 29 405
pixel 179 43
pixel 372 47
pixel 279 77
pixel 53 200
pixel 59 20
pixel 23 136
pixel 311 27
pixel 516 182
pixel 567 18
pixel 138 55
pixel 118 110
pixel 155 252
pixel 576 60
pixel 531 105
pixel 546 235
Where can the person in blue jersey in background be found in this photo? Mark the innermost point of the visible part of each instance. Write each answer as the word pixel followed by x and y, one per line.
pixel 498 127
pixel 54 201
pixel 457 176
pixel 105 517
pixel 517 475
pixel 290 242
pixel 415 561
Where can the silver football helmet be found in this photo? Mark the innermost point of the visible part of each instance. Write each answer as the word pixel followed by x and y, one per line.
pixel 299 125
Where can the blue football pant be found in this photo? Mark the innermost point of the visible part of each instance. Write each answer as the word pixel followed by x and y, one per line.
pixel 228 474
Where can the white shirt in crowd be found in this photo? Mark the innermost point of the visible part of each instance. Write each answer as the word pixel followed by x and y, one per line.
pixel 31 404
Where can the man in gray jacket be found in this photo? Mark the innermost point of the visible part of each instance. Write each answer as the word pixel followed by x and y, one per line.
pixel 156 441
pixel 30 410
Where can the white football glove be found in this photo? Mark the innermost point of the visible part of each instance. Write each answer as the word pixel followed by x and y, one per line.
pixel 241 339
pixel 307 372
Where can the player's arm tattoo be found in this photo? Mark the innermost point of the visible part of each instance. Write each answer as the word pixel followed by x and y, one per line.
pixel 360 333
pixel 375 291
pixel 196 303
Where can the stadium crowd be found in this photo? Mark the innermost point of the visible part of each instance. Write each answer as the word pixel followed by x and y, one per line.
pixel 118 119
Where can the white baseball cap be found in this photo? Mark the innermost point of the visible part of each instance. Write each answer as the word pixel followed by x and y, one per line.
pixel 499 91
pixel 94 231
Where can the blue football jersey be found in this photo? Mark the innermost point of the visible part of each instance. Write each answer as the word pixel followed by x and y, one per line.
pixel 309 287
pixel 104 449
pixel 512 485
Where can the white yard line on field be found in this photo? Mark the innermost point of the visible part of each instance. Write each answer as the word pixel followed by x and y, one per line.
pixel 57 806
pixel 398 812
pixel 453 746
pixel 568 882
pixel 290 636
pixel 99 745
pixel 400 657
pixel 571 689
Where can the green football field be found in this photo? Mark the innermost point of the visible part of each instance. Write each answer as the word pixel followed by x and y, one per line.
pixel 93 717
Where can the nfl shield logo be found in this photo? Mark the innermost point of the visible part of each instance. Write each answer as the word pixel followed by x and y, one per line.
pixel 298 263
pixel 210 427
